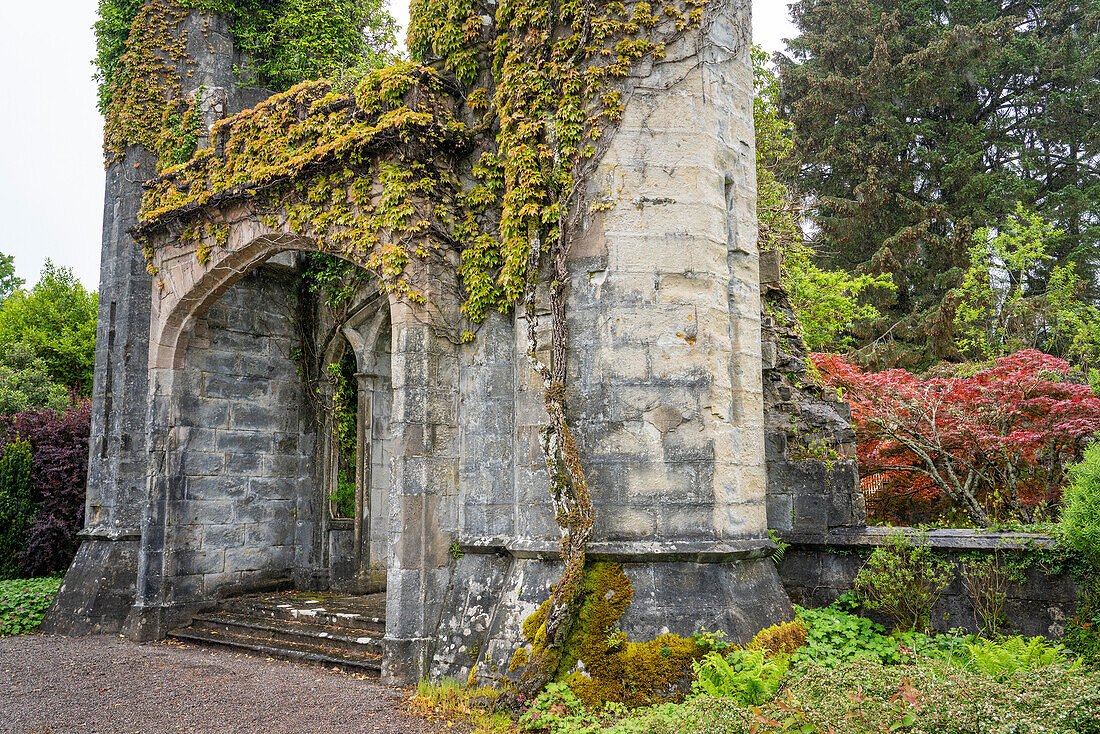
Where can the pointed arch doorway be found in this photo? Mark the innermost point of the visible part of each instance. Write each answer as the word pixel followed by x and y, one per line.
pixel 357 448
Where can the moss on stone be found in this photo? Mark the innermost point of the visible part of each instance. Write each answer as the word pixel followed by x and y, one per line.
pixel 597 661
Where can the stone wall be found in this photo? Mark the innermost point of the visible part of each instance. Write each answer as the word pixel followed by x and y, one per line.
pixel 241 504
pixel 813 477
pixel 816 572
pixel 664 383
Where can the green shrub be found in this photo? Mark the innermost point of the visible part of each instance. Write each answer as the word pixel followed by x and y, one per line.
pixel 1080 522
pixel 903 581
pixel 16 504
pixel 750 676
pixel 23 604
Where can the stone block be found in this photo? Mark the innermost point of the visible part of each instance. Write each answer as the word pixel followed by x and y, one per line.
pixel 223 536
pixel 238 387
pixel 244 442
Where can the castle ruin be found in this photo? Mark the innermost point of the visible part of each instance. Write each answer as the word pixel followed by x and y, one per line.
pixel 212 466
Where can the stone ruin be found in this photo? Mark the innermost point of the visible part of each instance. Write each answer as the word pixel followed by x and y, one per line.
pixel 212 467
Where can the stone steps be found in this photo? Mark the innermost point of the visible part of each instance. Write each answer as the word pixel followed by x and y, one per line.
pixel 343 632
pixel 342 618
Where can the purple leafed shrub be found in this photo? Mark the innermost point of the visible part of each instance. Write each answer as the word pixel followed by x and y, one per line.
pixel 59 447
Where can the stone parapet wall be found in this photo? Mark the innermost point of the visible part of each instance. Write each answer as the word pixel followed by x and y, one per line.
pixel 817 570
pixel 813 477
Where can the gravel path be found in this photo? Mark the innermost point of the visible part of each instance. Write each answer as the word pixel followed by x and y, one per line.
pixel 112 685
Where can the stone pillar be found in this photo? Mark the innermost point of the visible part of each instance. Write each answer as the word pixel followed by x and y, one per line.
pixel 98 590
pixel 424 491
pixel 100 586
pixel 664 378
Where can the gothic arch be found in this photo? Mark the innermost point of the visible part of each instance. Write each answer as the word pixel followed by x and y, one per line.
pixel 188 279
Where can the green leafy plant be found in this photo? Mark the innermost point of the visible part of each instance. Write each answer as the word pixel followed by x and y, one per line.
pixel 557 710
pixel 1006 657
pixel 16 503
pixel 780 547
pixel 712 640
pixel 23 604
pixel 903 580
pixel 750 676
pixel 1080 522
pixel 834 637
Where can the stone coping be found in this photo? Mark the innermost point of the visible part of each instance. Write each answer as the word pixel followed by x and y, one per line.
pixel 963 539
pixel 630 551
pixel 107 533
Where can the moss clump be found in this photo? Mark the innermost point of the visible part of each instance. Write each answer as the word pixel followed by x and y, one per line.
pixel 597 661
pixel 784 639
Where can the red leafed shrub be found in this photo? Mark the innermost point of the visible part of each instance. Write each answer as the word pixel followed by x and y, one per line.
pixel 59 472
pixel 993 444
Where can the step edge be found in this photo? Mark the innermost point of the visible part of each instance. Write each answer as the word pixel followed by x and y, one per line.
pixel 301 655
pixel 376 637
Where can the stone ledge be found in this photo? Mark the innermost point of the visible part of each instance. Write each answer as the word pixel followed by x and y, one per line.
pixel 690 551
pixel 872 537
pixel 102 533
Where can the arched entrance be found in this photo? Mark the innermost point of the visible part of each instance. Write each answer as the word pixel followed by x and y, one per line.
pixel 357 446
pixel 406 476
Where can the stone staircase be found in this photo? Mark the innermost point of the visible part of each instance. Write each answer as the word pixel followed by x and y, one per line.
pixel 319 628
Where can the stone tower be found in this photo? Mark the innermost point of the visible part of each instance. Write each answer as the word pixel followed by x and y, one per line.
pixel 211 473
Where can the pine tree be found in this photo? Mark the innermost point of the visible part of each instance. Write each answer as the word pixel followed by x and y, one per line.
pixel 918 122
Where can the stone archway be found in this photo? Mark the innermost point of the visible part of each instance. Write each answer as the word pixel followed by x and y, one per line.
pixel 356 537
pixel 173 584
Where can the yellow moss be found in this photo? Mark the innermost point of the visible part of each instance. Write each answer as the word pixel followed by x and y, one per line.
pixel 519 660
pixel 612 669
pixel 783 638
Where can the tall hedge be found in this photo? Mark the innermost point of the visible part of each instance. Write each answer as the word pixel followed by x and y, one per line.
pixel 16 504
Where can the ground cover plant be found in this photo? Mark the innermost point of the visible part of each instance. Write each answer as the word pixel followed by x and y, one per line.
pixel 23 603
pixel 847 675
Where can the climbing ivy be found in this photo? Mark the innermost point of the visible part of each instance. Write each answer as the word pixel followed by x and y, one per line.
pixel 489 157
pixel 345 417
pixel 287 41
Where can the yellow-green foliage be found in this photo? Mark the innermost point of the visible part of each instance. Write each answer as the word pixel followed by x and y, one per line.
pixel 146 78
pixel 782 639
pixel 361 172
pixel 308 160
pixel 613 669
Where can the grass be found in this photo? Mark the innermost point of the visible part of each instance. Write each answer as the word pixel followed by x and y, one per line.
pixel 449 700
pixel 23 604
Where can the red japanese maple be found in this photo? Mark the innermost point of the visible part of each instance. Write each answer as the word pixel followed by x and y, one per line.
pixel 995 443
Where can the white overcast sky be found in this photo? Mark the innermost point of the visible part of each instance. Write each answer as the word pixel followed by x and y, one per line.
pixel 51 170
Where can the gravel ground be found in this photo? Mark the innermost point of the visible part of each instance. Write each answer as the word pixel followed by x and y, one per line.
pixel 109 684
